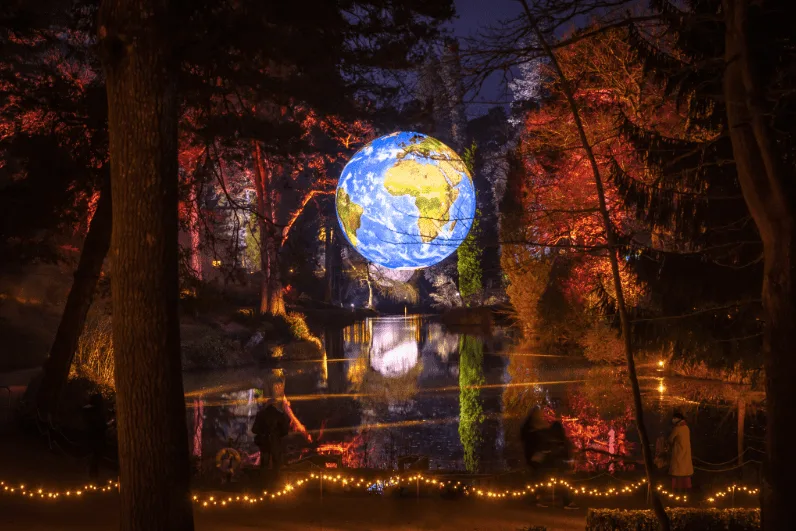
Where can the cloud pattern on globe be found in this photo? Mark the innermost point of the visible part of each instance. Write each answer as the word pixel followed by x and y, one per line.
pixel 405 201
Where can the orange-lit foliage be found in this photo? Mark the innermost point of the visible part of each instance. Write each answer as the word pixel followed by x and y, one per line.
pixel 559 194
pixel 331 140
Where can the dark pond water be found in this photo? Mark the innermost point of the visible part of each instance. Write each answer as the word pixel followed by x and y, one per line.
pixel 393 387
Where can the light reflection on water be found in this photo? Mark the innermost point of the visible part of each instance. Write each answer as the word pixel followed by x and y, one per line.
pixel 393 387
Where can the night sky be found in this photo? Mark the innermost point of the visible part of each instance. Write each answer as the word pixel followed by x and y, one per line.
pixel 475 14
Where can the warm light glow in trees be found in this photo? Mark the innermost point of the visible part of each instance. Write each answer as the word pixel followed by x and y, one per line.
pixel 558 195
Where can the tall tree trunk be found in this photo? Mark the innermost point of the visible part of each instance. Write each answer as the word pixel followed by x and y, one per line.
pixel 271 294
pixel 261 191
pixel 768 190
pixel 193 227
pixel 329 262
pixel 566 88
pixel 62 352
pixel 154 466
pixel 276 301
pixel 370 286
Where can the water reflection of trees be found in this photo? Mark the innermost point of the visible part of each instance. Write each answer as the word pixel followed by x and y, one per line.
pixel 595 415
pixel 607 390
pixel 519 399
pixel 599 438
pixel 471 412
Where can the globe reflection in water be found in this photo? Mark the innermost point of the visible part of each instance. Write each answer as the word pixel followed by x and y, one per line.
pixel 394 351
pixel 407 386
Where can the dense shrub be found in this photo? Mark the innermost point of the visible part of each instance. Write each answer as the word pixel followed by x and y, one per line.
pixel 681 520
pixel 93 359
pixel 299 329
pixel 213 350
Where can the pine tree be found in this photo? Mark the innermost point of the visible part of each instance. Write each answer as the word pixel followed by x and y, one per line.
pixel 730 63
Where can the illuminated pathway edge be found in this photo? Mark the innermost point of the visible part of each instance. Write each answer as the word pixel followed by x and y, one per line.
pixel 351 483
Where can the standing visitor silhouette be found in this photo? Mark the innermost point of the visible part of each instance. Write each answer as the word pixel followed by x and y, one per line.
pixel 547 451
pixel 681 468
pixel 270 426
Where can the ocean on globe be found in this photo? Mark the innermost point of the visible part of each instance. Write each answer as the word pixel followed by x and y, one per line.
pixel 405 201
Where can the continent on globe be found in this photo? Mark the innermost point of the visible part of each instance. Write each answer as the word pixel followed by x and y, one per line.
pixel 405 201
pixel 350 215
pixel 433 193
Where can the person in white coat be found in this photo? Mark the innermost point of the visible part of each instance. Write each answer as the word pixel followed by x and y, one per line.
pixel 681 467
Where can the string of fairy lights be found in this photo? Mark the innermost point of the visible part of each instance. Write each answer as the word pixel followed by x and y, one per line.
pixel 215 500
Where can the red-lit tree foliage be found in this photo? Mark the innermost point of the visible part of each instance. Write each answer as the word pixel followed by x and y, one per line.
pixel 600 443
pixel 53 162
pixel 679 220
pixel 53 139
pixel 569 88
pixel 560 207
pixel 265 190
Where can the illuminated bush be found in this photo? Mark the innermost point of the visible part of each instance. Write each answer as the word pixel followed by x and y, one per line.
pixel 471 413
pixel 299 329
pixel 94 356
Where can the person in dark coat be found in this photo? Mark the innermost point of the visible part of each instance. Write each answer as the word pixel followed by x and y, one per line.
pixel 534 439
pixel 270 426
pixel 559 456
pixel 546 449
pixel 96 421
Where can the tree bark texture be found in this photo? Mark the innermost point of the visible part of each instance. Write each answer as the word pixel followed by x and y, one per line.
pixel 370 285
pixel 768 190
pixel 261 192
pixel 193 225
pixel 154 470
pixel 566 88
pixel 276 301
pixel 78 303
pixel 271 296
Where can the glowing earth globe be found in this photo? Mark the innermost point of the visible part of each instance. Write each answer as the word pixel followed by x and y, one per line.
pixel 405 201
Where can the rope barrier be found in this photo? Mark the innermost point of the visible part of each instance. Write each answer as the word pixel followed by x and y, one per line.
pixel 725 462
pixel 728 469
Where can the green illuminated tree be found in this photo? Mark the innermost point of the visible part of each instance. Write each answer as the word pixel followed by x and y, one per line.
pixel 470 251
pixel 471 412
